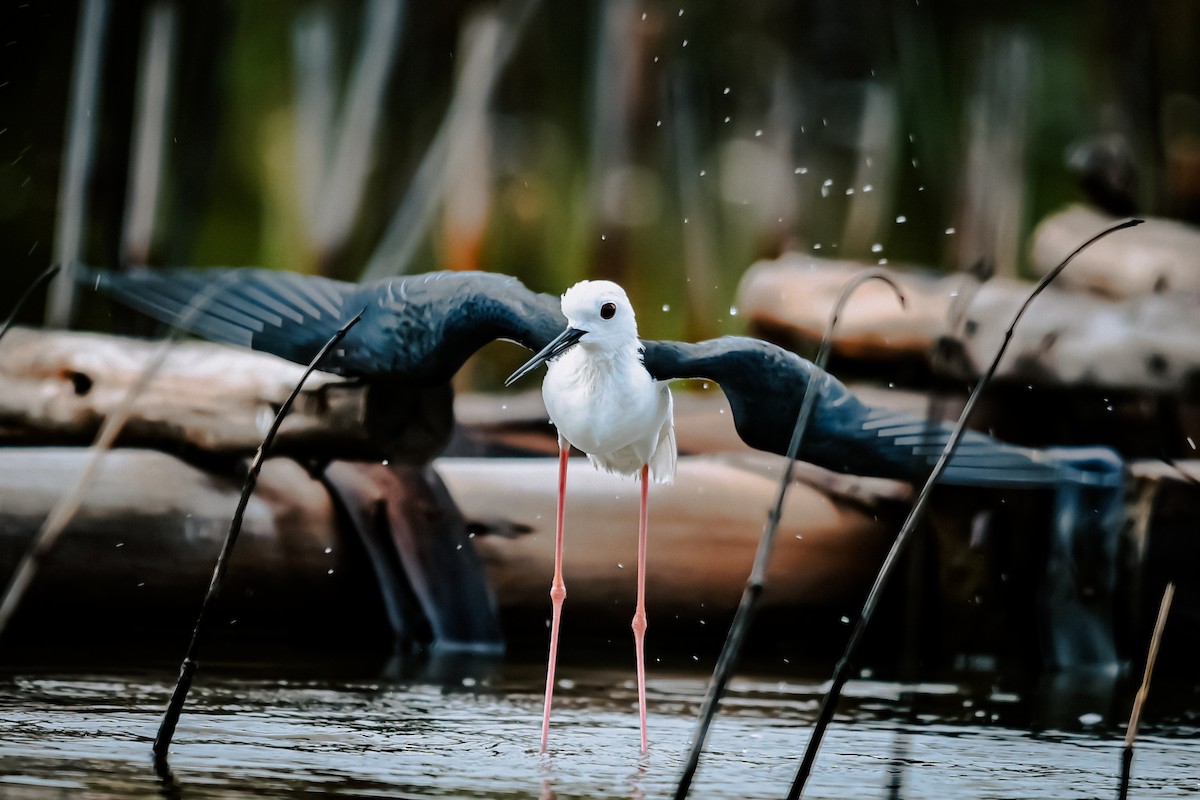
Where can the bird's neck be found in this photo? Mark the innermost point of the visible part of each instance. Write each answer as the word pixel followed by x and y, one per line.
pixel 518 315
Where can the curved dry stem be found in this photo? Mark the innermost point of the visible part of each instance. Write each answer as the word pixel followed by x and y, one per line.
pixel 842 670
pixel 187 670
pixel 46 275
pixel 1139 700
pixel 732 648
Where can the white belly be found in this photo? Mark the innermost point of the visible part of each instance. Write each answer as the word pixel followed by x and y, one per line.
pixel 613 412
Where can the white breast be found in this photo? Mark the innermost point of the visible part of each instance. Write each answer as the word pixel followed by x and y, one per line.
pixel 613 410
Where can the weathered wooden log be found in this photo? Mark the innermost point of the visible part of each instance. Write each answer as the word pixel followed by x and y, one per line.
pixel 1068 338
pixel 1158 257
pixel 794 295
pixel 704 529
pixel 57 386
pixel 134 563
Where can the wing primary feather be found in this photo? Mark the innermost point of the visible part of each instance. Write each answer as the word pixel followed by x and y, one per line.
pixel 260 295
pixel 287 291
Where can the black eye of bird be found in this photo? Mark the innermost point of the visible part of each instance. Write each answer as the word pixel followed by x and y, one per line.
pixel 608 310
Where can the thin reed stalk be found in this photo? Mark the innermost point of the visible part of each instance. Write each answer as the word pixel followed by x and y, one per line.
pixel 1139 700
pixel 46 275
pixel 845 664
pixel 732 648
pixel 187 670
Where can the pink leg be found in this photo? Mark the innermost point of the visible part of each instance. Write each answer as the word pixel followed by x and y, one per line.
pixel 639 613
pixel 558 589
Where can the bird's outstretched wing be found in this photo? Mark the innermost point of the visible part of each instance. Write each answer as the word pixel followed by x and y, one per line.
pixel 765 386
pixel 283 313
pixel 418 329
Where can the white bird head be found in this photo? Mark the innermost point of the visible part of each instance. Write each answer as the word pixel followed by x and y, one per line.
pixel 602 310
pixel 599 316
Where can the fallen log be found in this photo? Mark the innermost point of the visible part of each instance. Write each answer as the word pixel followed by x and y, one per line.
pixel 134 563
pixel 704 530
pixel 1068 339
pixel 1158 258
pixel 57 386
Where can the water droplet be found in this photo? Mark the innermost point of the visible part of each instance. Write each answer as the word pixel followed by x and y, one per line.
pixel 950 231
pixel 658 124
pixel 666 308
pixel 758 132
pixel 468 681
pixel 705 386
pixel 643 16
pixel 817 246
pixel 328 550
pixel 877 248
pixel 726 90
pixel 850 190
pixel 120 544
pixel 868 188
pixel 681 12
pixel 882 261
pixel 733 311
pixel 702 173
pixel 1191 443
pixel 603 237
pixel 620 565
pixel 900 220
pixel 800 170
pixel 1091 718
pixel 685 220
pixel 845 620
pixel 685 42
pixel 384 462
pixel 330 572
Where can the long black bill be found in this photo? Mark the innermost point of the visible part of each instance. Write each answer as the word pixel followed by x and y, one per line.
pixel 563 342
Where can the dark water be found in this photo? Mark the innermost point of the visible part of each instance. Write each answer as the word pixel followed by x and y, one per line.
pixel 89 736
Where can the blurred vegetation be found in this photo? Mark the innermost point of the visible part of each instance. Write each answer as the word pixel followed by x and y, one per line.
pixel 665 145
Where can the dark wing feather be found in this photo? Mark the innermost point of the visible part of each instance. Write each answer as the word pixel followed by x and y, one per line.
pixel 765 385
pixel 283 313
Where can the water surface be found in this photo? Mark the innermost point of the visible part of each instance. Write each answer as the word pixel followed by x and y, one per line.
pixel 477 736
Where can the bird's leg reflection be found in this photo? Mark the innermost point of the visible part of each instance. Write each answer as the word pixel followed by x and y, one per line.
pixel 639 613
pixel 558 589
